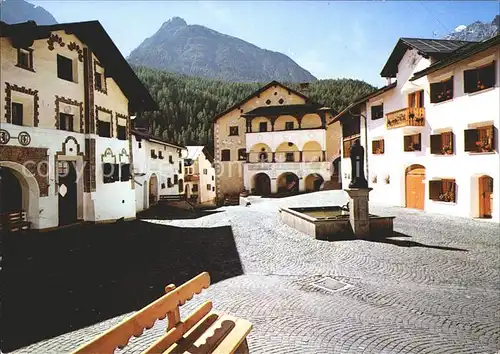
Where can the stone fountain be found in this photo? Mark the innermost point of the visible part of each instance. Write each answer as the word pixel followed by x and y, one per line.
pixel 342 222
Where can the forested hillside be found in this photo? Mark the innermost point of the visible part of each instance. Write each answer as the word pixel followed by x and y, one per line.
pixel 188 104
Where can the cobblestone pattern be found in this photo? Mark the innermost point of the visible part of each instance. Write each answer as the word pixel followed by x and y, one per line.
pixel 414 299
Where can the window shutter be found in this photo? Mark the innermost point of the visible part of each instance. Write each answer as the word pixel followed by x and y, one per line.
pixel 436 144
pixel 470 138
pixel 434 91
pixel 469 78
pixel 374 146
pixel 434 189
pixel 382 145
pixel 407 143
pixel 451 141
pixel 116 172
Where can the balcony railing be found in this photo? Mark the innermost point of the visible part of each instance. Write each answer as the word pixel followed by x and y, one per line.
pixel 412 116
pixel 284 157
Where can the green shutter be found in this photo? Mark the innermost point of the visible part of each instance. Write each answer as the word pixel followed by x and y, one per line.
pixel 470 138
pixel 407 143
pixel 434 189
pixel 470 80
pixel 436 144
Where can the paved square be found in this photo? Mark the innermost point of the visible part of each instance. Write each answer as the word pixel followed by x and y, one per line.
pixel 434 288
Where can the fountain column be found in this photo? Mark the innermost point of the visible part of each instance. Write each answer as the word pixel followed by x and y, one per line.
pixel 358 193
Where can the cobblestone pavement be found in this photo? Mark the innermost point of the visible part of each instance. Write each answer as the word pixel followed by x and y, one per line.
pixel 432 289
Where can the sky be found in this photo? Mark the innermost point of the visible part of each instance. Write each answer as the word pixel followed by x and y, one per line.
pixel 331 39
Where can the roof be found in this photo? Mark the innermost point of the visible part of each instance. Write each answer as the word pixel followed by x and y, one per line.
pixel 364 98
pixel 461 53
pixel 194 152
pixel 436 48
pixel 285 109
pixel 259 91
pixel 145 135
pixel 96 38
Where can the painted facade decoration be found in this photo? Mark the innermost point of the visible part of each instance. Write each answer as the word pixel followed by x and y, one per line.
pixel 276 140
pixel 199 172
pixel 49 144
pixel 432 135
pixel 158 169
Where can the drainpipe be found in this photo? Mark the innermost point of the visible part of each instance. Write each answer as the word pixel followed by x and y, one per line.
pixel 366 140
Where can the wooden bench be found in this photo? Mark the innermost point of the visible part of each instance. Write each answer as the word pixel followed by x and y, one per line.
pixel 14 221
pixel 203 331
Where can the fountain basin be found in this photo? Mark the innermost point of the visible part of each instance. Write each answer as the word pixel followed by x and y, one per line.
pixel 331 223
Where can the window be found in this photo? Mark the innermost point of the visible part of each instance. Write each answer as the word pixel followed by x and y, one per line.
pixel 416 99
pixel 104 128
pixel 213 178
pixel 180 167
pixel 163 186
pixel 281 101
pixel 442 144
pixel 121 131
pixel 351 128
pixel 378 147
pixel 479 78
pixel 263 127
pixel 268 102
pixel 263 156
pixel 242 154
pixel 213 189
pixel 169 182
pixel 205 171
pixel 195 188
pixel 176 179
pixel 289 157
pixel 110 172
pixel 125 172
pixel 226 155
pixel 288 125
pixel 442 91
pixel 442 190
pixel 347 143
pixel 98 81
pixel 377 112
pixel 480 139
pixel 186 170
pixel 25 58
pixel 64 68
pixel 209 187
pixel 170 159
pixel 153 154
pixel 233 131
pixel 160 155
pixel 412 142
pixel 66 122
pixel 17 113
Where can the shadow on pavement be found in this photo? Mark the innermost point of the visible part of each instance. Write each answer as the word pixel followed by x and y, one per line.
pixel 59 281
pixel 165 212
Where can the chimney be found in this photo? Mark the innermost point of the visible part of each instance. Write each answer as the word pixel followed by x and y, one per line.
pixel 304 88
pixel 389 80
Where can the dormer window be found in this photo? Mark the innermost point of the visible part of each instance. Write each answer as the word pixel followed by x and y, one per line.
pixel 25 58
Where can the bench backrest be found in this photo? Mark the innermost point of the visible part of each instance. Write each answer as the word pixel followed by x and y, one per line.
pixel 166 306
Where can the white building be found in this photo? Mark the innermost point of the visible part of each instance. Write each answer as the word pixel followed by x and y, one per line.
pixel 276 140
pixel 158 169
pixel 430 136
pixel 199 175
pixel 67 96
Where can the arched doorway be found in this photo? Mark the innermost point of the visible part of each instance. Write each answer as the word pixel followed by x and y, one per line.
pixel 11 192
pixel 415 187
pixel 28 197
pixel 288 182
pixel 261 184
pixel 313 182
pixel 153 189
pixel 485 196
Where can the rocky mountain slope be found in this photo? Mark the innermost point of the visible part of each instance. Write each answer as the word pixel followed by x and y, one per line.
pixel 476 31
pixel 15 11
pixel 199 51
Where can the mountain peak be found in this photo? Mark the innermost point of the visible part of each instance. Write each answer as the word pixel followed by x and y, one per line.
pixel 200 51
pixel 476 31
pixel 174 22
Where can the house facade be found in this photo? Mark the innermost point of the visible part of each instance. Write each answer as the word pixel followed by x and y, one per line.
pixel 276 140
pixel 158 169
pixel 430 136
pixel 67 97
pixel 199 175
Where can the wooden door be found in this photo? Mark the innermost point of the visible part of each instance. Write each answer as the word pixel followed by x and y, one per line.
pixel 485 194
pixel 67 192
pixel 415 189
